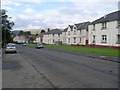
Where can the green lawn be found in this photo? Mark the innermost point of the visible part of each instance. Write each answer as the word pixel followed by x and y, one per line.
pixel 31 45
pixel 102 51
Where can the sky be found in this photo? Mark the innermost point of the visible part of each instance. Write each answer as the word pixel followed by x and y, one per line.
pixel 35 14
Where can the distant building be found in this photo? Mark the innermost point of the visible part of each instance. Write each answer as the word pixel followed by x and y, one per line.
pixel 36 31
pixel 54 36
pixel 39 36
pixel 21 39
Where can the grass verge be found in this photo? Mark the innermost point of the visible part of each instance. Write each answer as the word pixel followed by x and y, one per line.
pixel 101 51
pixel 31 45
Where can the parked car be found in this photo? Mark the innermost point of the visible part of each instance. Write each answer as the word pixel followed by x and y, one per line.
pixel 24 44
pixel 10 47
pixel 40 45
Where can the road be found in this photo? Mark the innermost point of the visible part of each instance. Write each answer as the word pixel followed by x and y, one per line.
pixel 43 68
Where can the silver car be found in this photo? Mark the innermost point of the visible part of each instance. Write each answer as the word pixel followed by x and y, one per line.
pixel 39 45
pixel 10 47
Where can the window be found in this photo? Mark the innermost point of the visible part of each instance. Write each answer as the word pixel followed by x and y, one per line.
pixel 64 39
pixel 58 35
pixel 74 32
pixel 80 39
pixel 104 39
pixel 53 35
pixel 53 40
pixel 68 32
pixel 93 39
pixel 74 27
pixel 74 39
pixel 93 27
pixel 118 39
pixel 80 31
pixel 68 40
pixel 118 24
pixel 104 25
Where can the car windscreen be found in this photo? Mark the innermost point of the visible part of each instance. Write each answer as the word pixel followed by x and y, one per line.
pixel 39 44
pixel 10 45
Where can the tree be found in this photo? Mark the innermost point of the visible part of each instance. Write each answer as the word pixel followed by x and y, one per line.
pixel 24 33
pixel 21 32
pixel 6 25
pixel 27 33
pixel 32 38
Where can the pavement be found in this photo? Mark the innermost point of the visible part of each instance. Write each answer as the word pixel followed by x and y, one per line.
pixel 19 73
pixel 98 56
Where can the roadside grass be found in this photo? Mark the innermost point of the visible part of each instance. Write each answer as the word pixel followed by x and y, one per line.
pixel 101 51
pixel 31 45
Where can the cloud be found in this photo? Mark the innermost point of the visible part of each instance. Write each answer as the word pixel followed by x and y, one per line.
pixel 18 1
pixel 29 10
pixel 7 2
pixel 61 17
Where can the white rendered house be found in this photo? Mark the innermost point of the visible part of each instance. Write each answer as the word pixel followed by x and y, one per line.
pixel 54 36
pixel 77 34
pixel 105 31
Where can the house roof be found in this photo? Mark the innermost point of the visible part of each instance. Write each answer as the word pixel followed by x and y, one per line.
pixel 54 31
pixel 39 35
pixel 109 17
pixel 22 37
pixel 83 25
pixel 65 29
pixel 71 26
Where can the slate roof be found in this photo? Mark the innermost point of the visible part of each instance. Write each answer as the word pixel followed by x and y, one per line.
pixel 54 31
pixel 83 25
pixel 65 30
pixel 71 27
pixel 40 35
pixel 107 18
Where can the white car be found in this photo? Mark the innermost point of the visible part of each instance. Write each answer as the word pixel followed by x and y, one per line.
pixel 39 45
pixel 10 47
pixel 24 44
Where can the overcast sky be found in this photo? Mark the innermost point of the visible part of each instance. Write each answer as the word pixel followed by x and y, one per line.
pixel 34 14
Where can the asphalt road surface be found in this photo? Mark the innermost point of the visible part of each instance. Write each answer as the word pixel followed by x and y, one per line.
pixel 43 68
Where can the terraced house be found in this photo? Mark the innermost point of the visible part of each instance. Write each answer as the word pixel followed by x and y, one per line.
pixel 77 34
pixel 53 36
pixel 105 31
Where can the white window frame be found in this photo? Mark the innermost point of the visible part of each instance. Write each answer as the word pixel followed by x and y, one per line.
pixel 118 39
pixel 74 39
pixel 93 27
pixel 104 25
pixel 68 40
pixel 74 32
pixel 68 32
pixel 80 39
pixel 104 39
pixel 118 24
pixel 93 39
